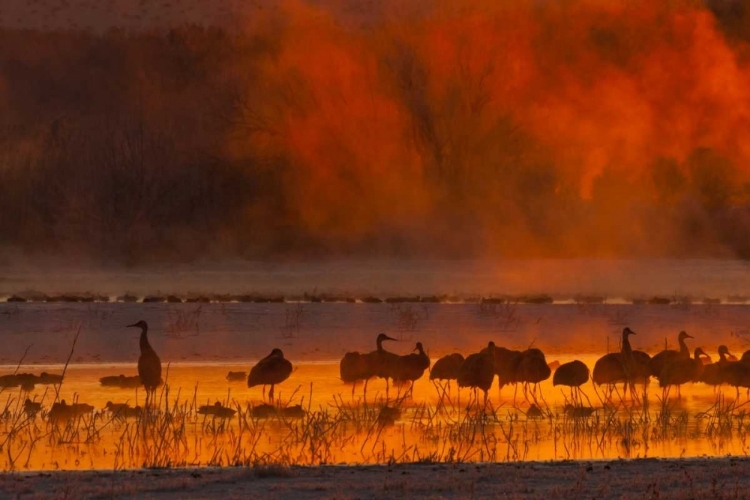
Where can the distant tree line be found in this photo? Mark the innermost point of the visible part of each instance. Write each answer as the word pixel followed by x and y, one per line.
pixel 204 142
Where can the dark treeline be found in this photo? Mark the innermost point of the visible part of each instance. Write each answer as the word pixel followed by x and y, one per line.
pixel 524 131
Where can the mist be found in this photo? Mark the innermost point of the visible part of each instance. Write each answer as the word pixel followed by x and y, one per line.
pixel 313 130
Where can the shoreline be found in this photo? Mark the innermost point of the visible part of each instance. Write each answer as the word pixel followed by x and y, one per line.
pixel 726 477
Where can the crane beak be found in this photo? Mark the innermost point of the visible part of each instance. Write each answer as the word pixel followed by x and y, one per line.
pixel 689 336
pixel 391 338
pixel 130 326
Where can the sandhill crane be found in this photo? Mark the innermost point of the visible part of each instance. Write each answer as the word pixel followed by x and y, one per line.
pixel 737 374
pixel 532 368
pixel 271 370
pixel 356 366
pixel 506 365
pixel 624 366
pixel 412 366
pixel 681 371
pixel 663 358
pixel 149 364
pixel 478 371
pixel 713 374
pixel 446 368
pixel 385 364
pixel 573 374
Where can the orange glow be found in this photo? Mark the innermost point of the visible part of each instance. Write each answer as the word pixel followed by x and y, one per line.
pixel 470 129
pixel 443 110
pixel 418 432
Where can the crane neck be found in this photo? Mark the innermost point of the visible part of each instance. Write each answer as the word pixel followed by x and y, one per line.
pixel 626 348
pixel 684 351
pixel 145 346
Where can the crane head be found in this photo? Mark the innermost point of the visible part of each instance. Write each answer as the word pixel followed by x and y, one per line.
pixel 140 324
pixel 383 337
pixel 723 350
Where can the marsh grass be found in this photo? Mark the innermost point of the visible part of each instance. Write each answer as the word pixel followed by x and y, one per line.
pixel 170 433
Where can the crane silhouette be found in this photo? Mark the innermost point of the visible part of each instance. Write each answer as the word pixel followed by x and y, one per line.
pixel 149 364
pixel 573 374
pixel 356 366
pixel 271 370
pixel 625 366
pixel 667 356
pixel 478 371
pixel 681 371
pixel 713 374
pixel 411 367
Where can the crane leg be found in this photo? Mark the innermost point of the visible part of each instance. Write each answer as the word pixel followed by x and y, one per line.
pixel 584 395
pixel 270 393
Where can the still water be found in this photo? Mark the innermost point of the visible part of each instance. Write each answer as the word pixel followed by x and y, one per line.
pixel 340 428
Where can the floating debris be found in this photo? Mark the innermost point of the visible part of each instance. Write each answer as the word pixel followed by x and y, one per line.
pixel 217 410
pixel 237 376
pixel 121 381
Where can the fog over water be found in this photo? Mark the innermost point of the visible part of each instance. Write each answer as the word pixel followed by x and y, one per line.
pixel 330 129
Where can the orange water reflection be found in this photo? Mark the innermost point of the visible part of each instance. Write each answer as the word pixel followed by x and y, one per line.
pixel 341 428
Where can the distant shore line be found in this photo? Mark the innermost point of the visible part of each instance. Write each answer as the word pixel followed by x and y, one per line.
pixel 490 300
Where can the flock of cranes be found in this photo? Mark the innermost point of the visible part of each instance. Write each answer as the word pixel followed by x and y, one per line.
pixel 672 368
pixel 477 371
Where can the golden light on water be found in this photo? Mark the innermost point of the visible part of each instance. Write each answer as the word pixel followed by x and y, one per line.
pixel 340 428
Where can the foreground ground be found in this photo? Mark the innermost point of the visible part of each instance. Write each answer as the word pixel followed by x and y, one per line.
pixel 647 478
